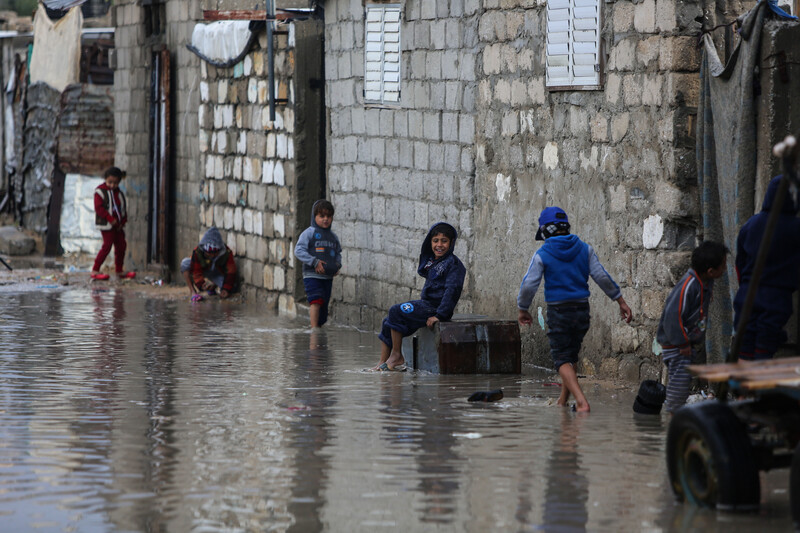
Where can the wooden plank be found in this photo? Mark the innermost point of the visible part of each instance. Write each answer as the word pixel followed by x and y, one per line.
pixel 241 14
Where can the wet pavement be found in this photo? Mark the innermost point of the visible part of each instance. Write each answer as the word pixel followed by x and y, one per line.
pixel 125 412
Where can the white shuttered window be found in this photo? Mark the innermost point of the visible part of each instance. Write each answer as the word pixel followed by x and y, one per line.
pixel 382 54
pixel 573 43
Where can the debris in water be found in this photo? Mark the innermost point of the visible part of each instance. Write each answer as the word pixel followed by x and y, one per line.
pixel 486 396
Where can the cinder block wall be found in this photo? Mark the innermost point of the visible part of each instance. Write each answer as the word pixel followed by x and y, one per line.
pixel 133 53
pixel 394 171
pixel 620 160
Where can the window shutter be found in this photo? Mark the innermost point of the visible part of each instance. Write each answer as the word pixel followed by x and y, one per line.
pixel 573 43
pixel 382 54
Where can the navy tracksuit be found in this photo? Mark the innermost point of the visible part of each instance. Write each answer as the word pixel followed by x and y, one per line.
pixel 764 334
pixel 444 280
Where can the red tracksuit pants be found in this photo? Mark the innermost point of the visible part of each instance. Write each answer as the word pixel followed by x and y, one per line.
pixel 115 238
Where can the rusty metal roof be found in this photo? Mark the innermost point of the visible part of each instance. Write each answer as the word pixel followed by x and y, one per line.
pixel 86 129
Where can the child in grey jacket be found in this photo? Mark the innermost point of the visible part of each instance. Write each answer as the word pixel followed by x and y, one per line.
pixel 683 321
pixel 319 250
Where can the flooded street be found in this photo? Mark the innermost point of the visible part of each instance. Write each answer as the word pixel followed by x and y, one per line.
pixel 122 412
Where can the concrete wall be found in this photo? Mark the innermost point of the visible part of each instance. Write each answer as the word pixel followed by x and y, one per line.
pixel 132 101
pixel 394 171
pixel 620 160
pixel 250 164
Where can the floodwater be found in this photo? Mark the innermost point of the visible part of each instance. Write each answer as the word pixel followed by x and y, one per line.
pixel 120 412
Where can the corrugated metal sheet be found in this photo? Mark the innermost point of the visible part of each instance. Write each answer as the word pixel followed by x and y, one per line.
pixel 41 133
pixel 86 130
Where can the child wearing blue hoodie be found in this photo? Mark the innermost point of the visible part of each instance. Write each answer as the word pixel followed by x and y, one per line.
pixel 565 262
pixel 772 308
pixel 319 250
pixel 444 279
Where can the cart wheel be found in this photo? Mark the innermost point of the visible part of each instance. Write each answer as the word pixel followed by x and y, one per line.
pixel 794 488
pixel 710 460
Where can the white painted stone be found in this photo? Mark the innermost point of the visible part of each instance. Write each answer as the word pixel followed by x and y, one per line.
pixel 204 91
pixel 202 141
pixel 237 168
pixel 228 218
pixel 271 144
pixel 268 172
pixel 247 170
pixel 258 223
pixel 281 146
pixel 550 156
pixel 503 186
pixel 241 144
pixel 290 149
pixel 248 65
pixel 279 177
pixel 210 166
pixel 247 220
pixel 217 117
pixel 279 225
pixel 237 219
pixel 233 193
pixel 222 142
pixel 279 278
pixel 222 91
pixel 219 168
pixel 652 232
pixel 252 90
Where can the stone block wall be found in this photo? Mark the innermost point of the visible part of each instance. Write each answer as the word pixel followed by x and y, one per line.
pixel 619 160
pixel 248 164
pixel 133 57
pixel 395 170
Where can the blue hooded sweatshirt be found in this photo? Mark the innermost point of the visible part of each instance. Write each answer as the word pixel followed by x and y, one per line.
pixel 783 261
pixel 566 262
pixel 444 278
pixel 317 244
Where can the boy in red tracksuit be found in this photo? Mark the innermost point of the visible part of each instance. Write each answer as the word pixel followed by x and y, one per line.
pixel 110 217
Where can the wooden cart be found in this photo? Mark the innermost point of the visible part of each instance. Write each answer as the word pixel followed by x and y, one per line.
pixel 716 449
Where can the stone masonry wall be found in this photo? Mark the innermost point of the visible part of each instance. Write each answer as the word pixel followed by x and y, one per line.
pixel 249 167
pixel 395 170
pixel 619 160
pixel 133 53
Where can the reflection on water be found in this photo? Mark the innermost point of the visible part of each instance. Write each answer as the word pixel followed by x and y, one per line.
pixel 123 413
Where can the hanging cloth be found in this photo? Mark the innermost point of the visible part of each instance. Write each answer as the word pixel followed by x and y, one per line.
pixel 56 57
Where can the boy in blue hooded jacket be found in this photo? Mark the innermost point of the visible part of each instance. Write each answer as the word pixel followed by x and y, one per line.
pixel 772 308
pixel 319 250
pixel 565 262
pixel 444 279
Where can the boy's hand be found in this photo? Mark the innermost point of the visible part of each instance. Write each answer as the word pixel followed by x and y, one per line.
pixel 525 318
pixel 320 268
pixel 686 351
pixel 431 321
pixel 624 311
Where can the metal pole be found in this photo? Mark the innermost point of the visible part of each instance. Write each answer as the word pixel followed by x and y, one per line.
pixel 271 59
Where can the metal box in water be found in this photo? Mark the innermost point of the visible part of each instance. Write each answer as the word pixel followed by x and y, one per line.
pixel 466 345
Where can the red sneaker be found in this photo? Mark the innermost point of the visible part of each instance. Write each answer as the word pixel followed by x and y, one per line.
pixel 126 275
pixel 101 277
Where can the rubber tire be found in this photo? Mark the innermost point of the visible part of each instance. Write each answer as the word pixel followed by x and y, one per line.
pixel 652 393
pixel 710 460
pixel 794 488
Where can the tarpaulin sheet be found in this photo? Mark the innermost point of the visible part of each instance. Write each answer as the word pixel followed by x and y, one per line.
pixel 78 230
pixel 223 42
pixel 56 57
pixel 726 160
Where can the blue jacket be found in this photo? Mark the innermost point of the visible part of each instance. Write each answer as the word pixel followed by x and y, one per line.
pixel 317 244
pixel 783 261
pixel 444 278
pixel 565 262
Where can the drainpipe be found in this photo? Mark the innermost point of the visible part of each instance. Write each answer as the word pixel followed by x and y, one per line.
pixel 271 58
